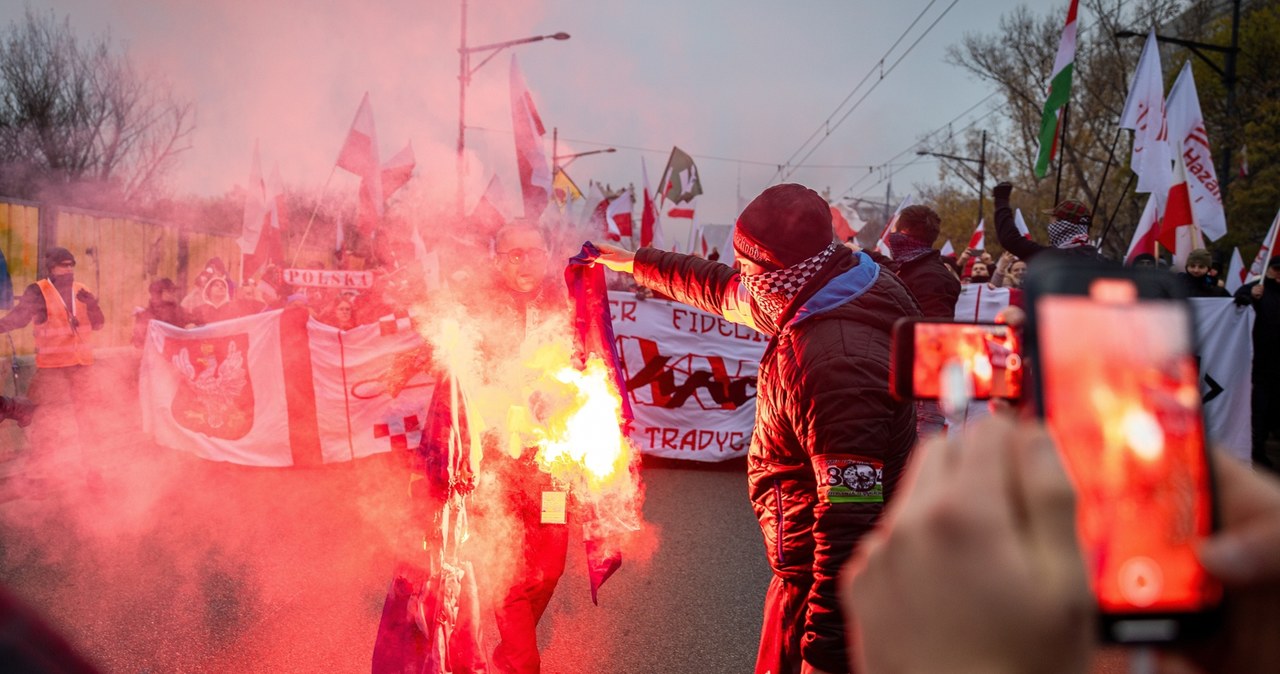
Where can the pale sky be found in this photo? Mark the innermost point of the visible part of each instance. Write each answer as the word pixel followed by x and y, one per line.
pixel 735 79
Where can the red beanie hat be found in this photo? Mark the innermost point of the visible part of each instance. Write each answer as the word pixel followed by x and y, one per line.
pixel 785 225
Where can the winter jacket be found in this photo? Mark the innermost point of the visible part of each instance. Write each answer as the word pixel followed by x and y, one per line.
pixel 935 288
pixel 1013 241
pixel 1203 286
pixel 31 306
pixel 1266 328
pixel 829 441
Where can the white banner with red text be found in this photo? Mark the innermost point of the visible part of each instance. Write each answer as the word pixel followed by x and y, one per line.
pixel 281 389
pixel 691 377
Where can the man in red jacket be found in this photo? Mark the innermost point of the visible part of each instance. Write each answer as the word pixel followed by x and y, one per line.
pixel 829 441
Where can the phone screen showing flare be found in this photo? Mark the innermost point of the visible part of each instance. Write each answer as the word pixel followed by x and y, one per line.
pixel 1122 401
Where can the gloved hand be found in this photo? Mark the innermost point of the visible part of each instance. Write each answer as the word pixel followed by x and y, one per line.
pixel 20 410
pixel 86 297
pixel 1002 191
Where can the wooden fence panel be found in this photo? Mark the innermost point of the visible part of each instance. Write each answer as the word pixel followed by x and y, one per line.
pixel 20 241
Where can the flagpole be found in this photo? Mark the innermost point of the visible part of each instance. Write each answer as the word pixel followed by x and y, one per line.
pixel 1119 202
pixel 1062 153
pixel 1097 196
pixel 323 193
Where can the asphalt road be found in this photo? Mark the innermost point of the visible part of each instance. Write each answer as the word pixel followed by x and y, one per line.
pixel 184 566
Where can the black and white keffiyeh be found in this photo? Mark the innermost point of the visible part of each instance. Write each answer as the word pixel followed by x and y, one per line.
pixel 773 291
pixel 1067 234
pixel 906 248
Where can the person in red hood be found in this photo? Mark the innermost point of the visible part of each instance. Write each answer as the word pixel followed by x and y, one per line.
pixel 829 442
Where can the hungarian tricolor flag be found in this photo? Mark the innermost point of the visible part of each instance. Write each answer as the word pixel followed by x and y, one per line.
pixel 1059 94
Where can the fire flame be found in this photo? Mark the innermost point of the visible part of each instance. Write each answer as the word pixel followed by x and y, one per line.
pixel 584 439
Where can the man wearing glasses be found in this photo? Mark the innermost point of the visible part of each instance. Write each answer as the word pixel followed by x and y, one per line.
pixel 520 298
pixel 65 314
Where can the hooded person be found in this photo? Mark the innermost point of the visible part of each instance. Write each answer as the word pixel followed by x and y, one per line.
pixel 65 314
pixel 1198 280
pixel 830 442
pixel 1068 228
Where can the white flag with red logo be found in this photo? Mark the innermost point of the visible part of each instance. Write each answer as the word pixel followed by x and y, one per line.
pixel 1236 273
pixel 1144 113
pixel 1189 141
pixel 1268 249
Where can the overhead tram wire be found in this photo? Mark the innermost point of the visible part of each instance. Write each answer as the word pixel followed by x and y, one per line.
pixel 883 74
pixel 916 144
pixel 878 64
pixel 662 152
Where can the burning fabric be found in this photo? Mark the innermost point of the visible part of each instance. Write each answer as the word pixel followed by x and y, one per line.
pixel 545 399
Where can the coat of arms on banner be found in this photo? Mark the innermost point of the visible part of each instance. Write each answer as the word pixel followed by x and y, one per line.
pixel 215 395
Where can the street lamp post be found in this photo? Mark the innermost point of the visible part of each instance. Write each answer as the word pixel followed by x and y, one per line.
pixel 1228 76
pixel 981 161
pixel 465 71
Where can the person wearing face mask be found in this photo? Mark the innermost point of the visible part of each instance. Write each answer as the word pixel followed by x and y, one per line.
pixel 1068 229
pixel 65 314
pixel 829 441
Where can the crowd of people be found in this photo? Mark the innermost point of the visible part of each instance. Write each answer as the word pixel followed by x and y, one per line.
pixel 947 552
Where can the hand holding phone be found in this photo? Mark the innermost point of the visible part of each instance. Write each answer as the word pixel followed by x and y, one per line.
pixel 1115 378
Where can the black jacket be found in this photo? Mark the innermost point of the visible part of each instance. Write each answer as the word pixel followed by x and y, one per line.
pixel 1266 327
pixel 1204 286
pixel 829 441
pixel 1013 241
pixel 933 285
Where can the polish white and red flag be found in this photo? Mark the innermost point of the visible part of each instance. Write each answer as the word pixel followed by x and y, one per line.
pixel 1268 249
pixel 1144 236
pixel 1144 114
pixel 882 245
pixel 947 248
pixel 1190 142
pixel 397 171
pixel 618 216
pixel 531 156
pixel 650 226
pixel 260 230
pixel 1177 210
pixel 359 155
pixel 1021 224
pixel 979 240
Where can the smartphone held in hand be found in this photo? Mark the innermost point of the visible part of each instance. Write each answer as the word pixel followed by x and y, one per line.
pixel 985 358
pixel 1114 375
